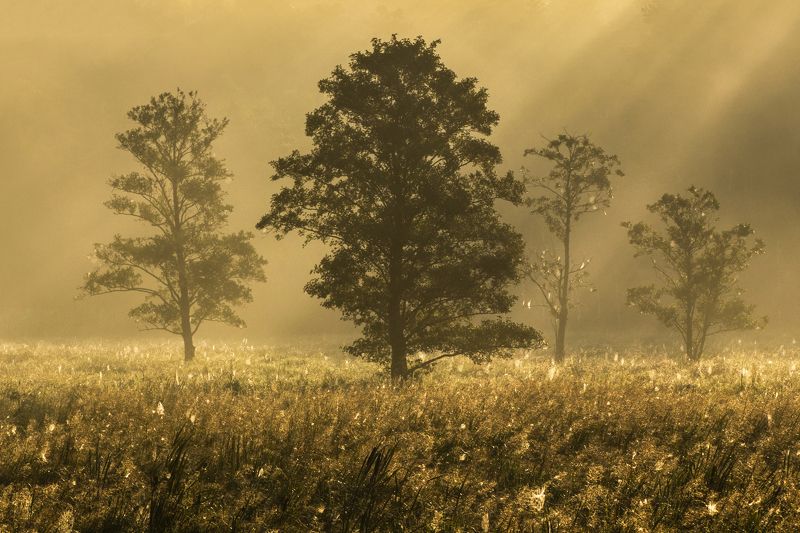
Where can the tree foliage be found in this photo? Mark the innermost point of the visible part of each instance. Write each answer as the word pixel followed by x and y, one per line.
pixel 699 267
pixel 579 182
pixel 401 185
pixel 188 272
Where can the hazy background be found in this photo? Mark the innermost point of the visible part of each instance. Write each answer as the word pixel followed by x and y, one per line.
pixel 683 91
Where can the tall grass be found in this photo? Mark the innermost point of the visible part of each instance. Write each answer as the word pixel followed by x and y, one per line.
pixel 128 438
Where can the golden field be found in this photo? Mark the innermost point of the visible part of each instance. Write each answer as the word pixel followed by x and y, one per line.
pixel 116 437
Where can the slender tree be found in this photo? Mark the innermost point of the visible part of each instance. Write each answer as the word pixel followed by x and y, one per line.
pixel 188 271
pixel 401 184
pixel 699 267
pixel 578 183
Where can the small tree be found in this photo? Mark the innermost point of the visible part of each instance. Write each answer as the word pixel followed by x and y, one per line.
pixel 699 267
pixel 188 271
pixel 578 183
pixel 401 185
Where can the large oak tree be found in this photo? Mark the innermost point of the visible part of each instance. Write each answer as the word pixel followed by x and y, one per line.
pixel 401 185
pixel 188 270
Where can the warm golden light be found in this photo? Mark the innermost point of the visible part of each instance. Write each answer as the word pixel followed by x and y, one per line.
pixel 684 92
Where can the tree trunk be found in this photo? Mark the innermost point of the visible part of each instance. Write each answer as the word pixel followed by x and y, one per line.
pixel 397 341
pixel 183 283
pixel 689 340
pixel 396 286
pixel 186 321
pixel 693 354
pixel 561 336
pixel 694 350
pixel 563 296
pixel 399 362
pixel 702 335
pixel 188 347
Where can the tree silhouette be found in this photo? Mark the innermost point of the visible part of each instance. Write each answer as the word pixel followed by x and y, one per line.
pixel 401 184
pixel 188 271
pixel 578 183
pixel 699 267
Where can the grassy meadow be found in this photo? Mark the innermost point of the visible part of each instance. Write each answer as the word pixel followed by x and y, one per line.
pixel 104 437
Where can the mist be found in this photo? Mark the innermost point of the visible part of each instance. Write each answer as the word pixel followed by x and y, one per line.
pixel 683 92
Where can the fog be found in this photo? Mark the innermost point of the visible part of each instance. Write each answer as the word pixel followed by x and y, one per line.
pixel 684 92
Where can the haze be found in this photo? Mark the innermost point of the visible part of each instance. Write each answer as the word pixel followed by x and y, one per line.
pixel 682 91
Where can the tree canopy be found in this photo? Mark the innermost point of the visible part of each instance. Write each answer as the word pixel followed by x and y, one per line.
pixel 401 185
pixel 699 267
pixel 579 182
pixel 188 271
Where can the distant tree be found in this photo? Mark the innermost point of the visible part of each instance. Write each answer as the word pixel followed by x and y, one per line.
pixel 189 272
pixel 699 267
pixel 401 185
pixel 578 183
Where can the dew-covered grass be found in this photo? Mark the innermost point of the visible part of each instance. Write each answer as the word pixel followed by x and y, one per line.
pixel 115 437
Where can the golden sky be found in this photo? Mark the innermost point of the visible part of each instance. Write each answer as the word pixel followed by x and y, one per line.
pixel 684 91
